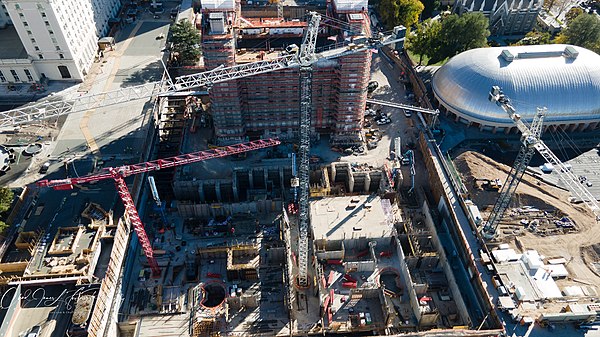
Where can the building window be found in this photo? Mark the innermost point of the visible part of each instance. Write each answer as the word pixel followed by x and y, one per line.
pixel 17 6
pixel 41 56
pixel 15 76
pixel 25 24
pixel 57 47
pixel 47 23
pixel 51 32
pixel 21 15
pixel 39 6
pixel 32 40
pixel 54 40
pixel 2 78
pixel 28 73
pixel 29 32
pixel 43 14
pixel 64 72
pixel 62 56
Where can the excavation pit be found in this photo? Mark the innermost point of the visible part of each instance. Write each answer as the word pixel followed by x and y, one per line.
pixel 213 295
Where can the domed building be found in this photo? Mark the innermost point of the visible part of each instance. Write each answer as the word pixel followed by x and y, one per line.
pixel 564 79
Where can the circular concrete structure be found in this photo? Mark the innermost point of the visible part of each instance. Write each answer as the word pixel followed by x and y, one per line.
pixel 563 78
pixel 213 295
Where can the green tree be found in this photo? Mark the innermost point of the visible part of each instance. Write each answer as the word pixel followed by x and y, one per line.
pixel 424 40
pixel 3 226
pixel 534 38
pixel 6 198
pixel 461 33
pixel 572 14
pixel 583 31
pixel 186 42
pixel 400 12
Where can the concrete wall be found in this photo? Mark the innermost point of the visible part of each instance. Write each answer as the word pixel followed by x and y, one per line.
pixel 409 286
pixel 429 150
pixel 460 304
pixel 195 210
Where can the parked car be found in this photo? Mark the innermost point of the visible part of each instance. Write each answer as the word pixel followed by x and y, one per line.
pixel 407 113
pixel 45 167
pixel 372 86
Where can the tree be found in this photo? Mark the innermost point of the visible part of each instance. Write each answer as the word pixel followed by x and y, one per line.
pixel 6 198
pixel 572 14
pixel 583 31
pixel 3 226
pixel 461 33
pixel 400 12
pixel 186 42
pixel 534 38
pixel 424 40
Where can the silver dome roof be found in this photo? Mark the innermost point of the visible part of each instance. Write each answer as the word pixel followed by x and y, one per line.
pixel 565 79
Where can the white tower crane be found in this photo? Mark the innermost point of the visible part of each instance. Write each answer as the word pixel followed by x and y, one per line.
pixel 304 59
pixel 530 137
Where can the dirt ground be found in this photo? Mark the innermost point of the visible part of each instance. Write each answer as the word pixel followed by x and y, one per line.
pixel 575 247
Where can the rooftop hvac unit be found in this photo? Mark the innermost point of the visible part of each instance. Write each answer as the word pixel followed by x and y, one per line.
pixel 570 52
pixel 217 23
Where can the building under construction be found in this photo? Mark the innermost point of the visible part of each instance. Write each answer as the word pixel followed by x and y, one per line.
pixel 268 104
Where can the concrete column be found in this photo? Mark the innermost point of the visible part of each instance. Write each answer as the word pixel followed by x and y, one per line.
pixel 266 175
pixel 367 182
pixel 201 192
pixel 333 172
pixel 281 178
pixel 350 181
pixel 250 179
pixel 234 187
pixel 572 127
pixel 218 190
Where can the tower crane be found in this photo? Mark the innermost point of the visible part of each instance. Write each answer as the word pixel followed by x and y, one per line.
pixel 530 137
pixel 118 174
pixel 304 60
pixel 306 57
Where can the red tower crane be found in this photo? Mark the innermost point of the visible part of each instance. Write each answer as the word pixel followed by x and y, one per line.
pixel 118 174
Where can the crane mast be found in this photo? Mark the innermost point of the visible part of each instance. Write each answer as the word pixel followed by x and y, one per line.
pixel 306 58
pixel 530 137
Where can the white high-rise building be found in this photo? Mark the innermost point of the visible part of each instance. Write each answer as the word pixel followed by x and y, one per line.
pixel 59 37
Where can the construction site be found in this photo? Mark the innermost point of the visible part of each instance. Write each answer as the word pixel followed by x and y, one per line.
pixel 279 193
